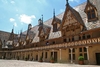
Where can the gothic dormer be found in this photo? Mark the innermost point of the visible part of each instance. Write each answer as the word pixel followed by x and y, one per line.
pixel 30 34
pixel 91 11
pixel 72 22
pixel 55 22
pixel 44 31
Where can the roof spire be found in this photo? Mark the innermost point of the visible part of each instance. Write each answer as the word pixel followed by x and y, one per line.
pixel 67 2
pixel 87 0
pixel 42 18
pixel 53 13
pixel 12 29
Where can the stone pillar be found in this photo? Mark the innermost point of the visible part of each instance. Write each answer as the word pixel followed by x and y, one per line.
pixel 87 53
pixel 43 55
pixel 38 56
pixel 53 53
pixel 71 55
pixel 60 54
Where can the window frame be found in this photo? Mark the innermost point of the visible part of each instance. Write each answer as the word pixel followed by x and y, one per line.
pixel 91 15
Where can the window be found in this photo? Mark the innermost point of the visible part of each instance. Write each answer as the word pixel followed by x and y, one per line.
pixel 53 42
pixel 91 14
pixel 69 56
pixel 73 50
pixel 64 40
pixel 51 54
pixel 73 56
pixel 79 37
pixel 80 55
pixel 88 36
pixel 85 50
pixel 45 54
pixel 69 51
pixel 80 49
pixel 83 36
pixel 69 39
pixel 85 56
pixel 54 27
pixel 36 45
pixel 72 38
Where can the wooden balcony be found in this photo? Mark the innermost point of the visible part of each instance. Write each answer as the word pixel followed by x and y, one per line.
pixel 86 42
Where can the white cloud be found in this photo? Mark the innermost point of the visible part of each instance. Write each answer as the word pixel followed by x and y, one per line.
pixel 12 20
pixel 26 19
pixel 15 24
pixel 12 2
pixel 75 1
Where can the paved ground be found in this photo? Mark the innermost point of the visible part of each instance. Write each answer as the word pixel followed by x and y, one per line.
pixel 19 63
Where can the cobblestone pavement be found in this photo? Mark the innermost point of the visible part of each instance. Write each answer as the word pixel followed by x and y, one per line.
pixel 19 63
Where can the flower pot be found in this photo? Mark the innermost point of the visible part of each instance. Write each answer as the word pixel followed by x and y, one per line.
pixel 40 61
pixel 52 61
pixel 81 62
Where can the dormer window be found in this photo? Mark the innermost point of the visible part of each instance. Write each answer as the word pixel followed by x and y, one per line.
pixel 91 12
pixel 91 15
pixel 54 27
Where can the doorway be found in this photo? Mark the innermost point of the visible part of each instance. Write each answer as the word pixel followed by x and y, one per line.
pixel 98 58
pixel 36 57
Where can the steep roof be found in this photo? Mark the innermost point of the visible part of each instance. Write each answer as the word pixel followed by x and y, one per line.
pixel 79 11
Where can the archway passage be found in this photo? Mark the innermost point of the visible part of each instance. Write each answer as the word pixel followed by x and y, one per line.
pixel 98 58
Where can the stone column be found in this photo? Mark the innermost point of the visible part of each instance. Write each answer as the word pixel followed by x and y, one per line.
pixel 53 53
pixel 43 55
pixel 71 55
pixel 87 53
pixel 38 56
pixel 60 54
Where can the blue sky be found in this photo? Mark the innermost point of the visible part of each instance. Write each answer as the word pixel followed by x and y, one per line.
pixel 19 13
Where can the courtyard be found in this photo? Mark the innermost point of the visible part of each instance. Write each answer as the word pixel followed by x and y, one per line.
pixel 20 63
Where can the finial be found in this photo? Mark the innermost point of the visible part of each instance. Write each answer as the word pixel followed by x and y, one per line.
pixel 54 13
pixel 42 17
pixel 67 1
pixel 88 1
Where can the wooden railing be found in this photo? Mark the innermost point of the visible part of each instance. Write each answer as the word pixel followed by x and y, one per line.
pixel 86 42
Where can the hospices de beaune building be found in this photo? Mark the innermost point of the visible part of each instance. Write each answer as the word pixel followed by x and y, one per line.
pixel 65 37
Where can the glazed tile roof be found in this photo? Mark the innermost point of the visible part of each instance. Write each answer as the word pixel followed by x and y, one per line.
pixel 79 11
